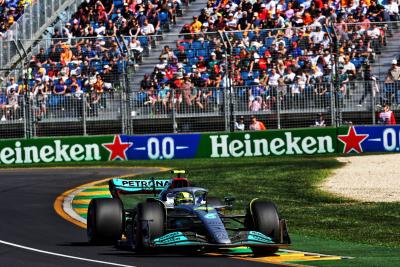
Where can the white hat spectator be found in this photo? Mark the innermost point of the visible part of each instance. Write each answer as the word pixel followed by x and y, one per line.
pixel 394 62
pixel 213 54
pixel 106 66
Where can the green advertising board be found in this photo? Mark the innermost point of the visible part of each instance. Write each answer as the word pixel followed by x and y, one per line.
pixel 268 143
pixel 46 150
pixel 307 141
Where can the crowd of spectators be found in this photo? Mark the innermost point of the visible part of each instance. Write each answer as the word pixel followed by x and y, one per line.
pixel 11 11
pixel 281 51
pixel 89 54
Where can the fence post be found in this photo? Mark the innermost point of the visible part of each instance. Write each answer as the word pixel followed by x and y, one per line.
pixel 278 108
pixel 333 106
pixel 226 108
pixel 174 124
pixel 84 114
pixel 122 111
pixel 32 117
pixel 373 100
pixel 26 116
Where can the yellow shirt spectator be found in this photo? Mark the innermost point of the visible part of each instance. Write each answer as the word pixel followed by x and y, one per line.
pixel 196 25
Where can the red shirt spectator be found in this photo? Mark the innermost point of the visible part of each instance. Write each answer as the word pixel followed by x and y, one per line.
pixel 387 116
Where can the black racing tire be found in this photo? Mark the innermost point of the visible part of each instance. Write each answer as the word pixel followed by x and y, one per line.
pixel 149 223
pixel 214 201
pixel 105 221
pixel 263 217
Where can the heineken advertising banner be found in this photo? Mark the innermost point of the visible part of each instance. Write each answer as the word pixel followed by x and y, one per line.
pixel 310 141
pixel 269 143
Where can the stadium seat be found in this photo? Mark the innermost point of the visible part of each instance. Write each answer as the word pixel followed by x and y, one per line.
pixel 238 36
pixel 269 41
pixel 163 17
pixel 197 45
pixel 193 61
pixel 186 45
pixel 245 75
pixel 202 53
pixel 190 53
pixel 206 44
pixel 118 4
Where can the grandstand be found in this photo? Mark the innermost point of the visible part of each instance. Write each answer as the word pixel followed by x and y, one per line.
pixel 173 66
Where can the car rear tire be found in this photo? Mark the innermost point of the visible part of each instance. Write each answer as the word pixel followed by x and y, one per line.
pixel 105 221
pixel 263 217
pixel 148 224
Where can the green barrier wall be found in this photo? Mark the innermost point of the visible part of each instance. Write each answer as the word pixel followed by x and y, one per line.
pixel 310 141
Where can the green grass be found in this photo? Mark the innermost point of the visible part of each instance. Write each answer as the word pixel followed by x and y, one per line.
pixel 318 221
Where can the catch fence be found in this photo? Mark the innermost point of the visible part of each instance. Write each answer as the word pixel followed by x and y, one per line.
pixel 28 116
pixel 212 99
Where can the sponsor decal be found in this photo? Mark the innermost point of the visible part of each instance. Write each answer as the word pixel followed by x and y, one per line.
pixel 174 237
pixel 161 147
pixel 145 183
pixel 225 146
pixel 52 151
pixel 352 141
pixel 380 138
pixel 259 237
pixel 117 148
pixel 210 216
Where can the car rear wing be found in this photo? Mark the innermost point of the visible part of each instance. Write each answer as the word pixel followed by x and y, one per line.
pixel 124 186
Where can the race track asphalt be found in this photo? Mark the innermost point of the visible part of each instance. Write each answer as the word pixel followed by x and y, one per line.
pixel 27 218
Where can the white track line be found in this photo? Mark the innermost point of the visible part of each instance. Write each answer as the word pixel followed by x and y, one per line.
pixel 62 255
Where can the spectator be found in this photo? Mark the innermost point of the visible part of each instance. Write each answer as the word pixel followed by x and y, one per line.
pixel 368 79
pixel 239 125
pixel 66 55
pixel 320 121
pixel 386 116
pixel 256 125
pixel 391 83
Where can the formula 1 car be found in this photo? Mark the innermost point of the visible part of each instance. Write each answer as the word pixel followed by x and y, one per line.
pixel 182 215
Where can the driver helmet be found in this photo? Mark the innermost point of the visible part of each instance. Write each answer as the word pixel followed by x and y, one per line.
pixel 184 198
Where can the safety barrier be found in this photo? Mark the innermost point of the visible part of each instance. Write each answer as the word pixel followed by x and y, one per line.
pixel 313 141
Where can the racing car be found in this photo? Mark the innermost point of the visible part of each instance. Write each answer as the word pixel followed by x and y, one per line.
pixel 178 214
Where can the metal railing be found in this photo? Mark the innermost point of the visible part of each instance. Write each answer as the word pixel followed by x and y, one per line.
pixel 196 109
pixel 37 17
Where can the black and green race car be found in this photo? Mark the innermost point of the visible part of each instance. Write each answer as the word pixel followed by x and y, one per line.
pixel 179 215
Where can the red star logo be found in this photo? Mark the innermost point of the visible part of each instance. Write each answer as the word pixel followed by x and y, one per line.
pixel 352 141
pixel 117 148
